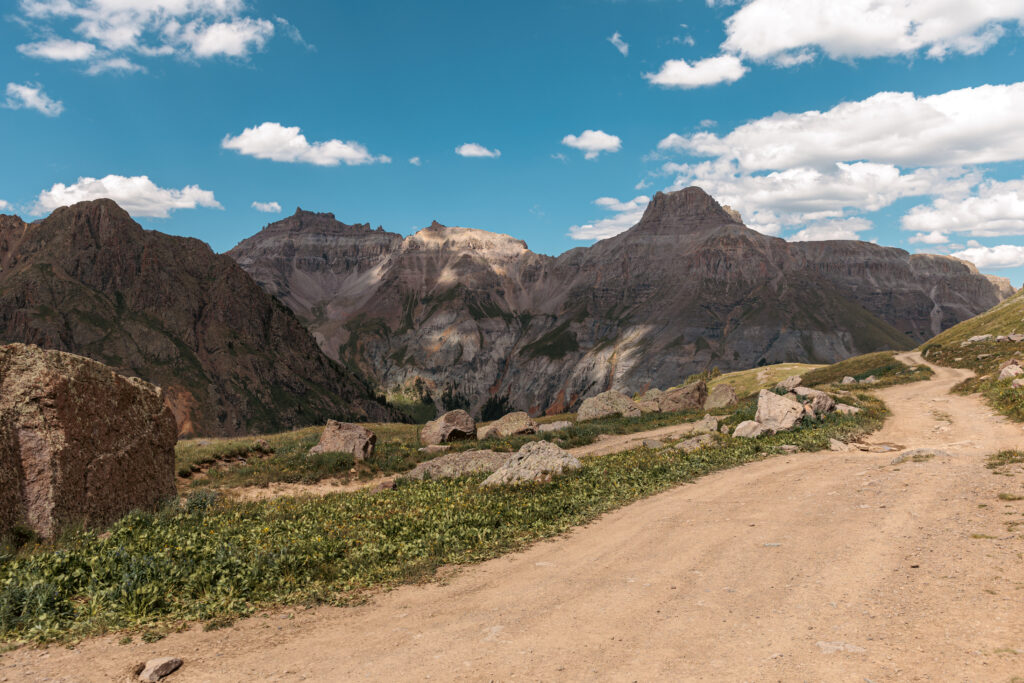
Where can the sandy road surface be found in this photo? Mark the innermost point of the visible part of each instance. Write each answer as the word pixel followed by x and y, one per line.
pixel 829 566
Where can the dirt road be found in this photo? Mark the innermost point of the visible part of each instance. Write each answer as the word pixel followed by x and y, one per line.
pixel 809 567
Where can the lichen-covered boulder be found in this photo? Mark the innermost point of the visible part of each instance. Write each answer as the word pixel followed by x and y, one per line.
pixel 537 461
pixel 820 402
pixel 79 443
pixel 749 429
pixel 553 426
pixel 345 437
pixel 777 413
pixel 844 409
pixel 509 425
pixel 607 404
pixel 685 398
pixel 458 464
pixel 452 426
pixel 720 396
pixel 1011 371
pixel 693 443
pixel 790 383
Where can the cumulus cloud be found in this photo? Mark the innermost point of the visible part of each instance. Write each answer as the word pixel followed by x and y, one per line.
pixel 118 29
pixel 138 195
pixel 416 161
pixel 1000 256
pixel 474 150
pixel 928 238
pixel 626 215
pixel 997 209
pixel 593 142
pixel 273 141
pixel 969 126
pixel 678 73
pixel 620 45
pixel 114 65
pixel 31 96
pixel 267 207
pixel 4 205
pixel 841 229
pixel 784 31
pixel 59 50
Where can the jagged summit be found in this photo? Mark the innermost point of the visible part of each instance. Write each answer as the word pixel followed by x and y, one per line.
pixel 438 236
pixel 684 211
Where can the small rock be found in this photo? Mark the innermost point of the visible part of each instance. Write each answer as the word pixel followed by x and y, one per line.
pixel 983 356
pixel 509 425
pixel 1016 338
pixel 1011 371
pixel 837 445
pixel 720 396
pixel 1017 383
pixel 436 449
pixel 869 380
pixel 919 454
pixel 692 444
pixel 790 383
pixel 724 429
pixel 849 380
pixel 820 402
pixel 709 423
pixel 749 429
pixel 979 338
pixel 844 409
pixel 789 448
pixel 606 404
pixel 157 669
pixel 653 443
pixel 553 426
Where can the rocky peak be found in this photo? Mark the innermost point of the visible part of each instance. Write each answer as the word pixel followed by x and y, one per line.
pixel 470 240
pixel 690 210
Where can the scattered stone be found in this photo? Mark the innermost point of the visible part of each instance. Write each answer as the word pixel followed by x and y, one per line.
pixel 648 403
pixel 789 448
pixel 157 669
pixel 845 409
pixel 537 461
pixel 724 429
pixel 720 396
pixel 653 443
pixel 607 404
pixel 919 455
pixel 849 380
pixel 820 402
pixel 1016 338
pixel 830 648
pixel 777 413
pixel 1008 363
pixel 553 426
pixel 1017 383
pixel 708 423
pixel 681 399
pixel 455 465
pixel 78 442
pixel 451 426
pixel 837 445
pixel 1001 338
pixel 749 429
pixel 790 383
pixel 983 356
pixel 436 449
pixel 692 444
pixel 1011 371
pixel 869 380
pixel 345 437
pixel 979 338
pixel 508 425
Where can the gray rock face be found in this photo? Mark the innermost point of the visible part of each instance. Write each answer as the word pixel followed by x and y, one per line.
pixel 777 413
pixel 538 461
pixel 455 465
pixel 345 437
pixel 508 425
pixel 685 398
pixel 607 404
pixel 452 426
pixel 790 383
pixel 820 402
pixel 78 442
pixel 687 287
pixel 750 429
pixel 157 669
pixel 720 396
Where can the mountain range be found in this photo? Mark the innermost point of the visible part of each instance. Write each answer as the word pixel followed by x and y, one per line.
pixel 472 318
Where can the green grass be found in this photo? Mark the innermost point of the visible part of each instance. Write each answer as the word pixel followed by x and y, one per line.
pixel 882 364
pixel 213 560
pixel 999 461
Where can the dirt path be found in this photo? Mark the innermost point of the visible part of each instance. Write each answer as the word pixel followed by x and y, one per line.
pixel 823 567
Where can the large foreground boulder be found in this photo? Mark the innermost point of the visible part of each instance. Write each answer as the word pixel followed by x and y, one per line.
pixel 777 413
pixel 607 404
pixel 509 425
pixel 536 461
pixel 720 396
pixel 682 399
pixel 78 442
pixel 453 426
pixel 345 437
pixel 455 465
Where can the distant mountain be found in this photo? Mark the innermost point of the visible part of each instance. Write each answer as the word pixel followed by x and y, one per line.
pixel 230 357
pixel 479 316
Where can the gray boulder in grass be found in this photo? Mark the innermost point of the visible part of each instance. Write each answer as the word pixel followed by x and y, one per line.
pixel 749 429
pixel 452 426
pixel 606 404
pixel 720 396
pixel 685 398
pixel 820 402
pixel 777 413
pixel 537 461
pixel 345 437
pixel 509 425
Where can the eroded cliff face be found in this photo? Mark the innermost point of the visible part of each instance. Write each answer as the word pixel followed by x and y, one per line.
pixel 230 358
pixel 686 289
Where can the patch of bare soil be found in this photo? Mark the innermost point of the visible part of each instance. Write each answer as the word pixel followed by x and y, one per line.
pixel 826 566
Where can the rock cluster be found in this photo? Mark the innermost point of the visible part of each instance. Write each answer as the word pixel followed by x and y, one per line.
pixel 782 412
pixel 78 442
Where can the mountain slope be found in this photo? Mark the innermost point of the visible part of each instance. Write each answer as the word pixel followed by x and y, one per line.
pixel 686 289
pixel 231 358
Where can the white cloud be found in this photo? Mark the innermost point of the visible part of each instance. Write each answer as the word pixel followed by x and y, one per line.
pixel 273 141
pixel 969 126
pixel 620 45
pixel 841 229
pixel 416 161
pixel 996 210
pixel 928 238
pixel 198 29
pixel 59 50
pixel 4 205
pixel 678 73
pixel 474 150
pixel 1000 256
pixel 779 30
pixel 114 64
pixel 627 214
pixel 31 96
pixel 593 142
pixel 267 207
pixel 137 195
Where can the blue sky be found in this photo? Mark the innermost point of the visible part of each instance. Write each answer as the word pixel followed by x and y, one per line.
pixel 900 122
